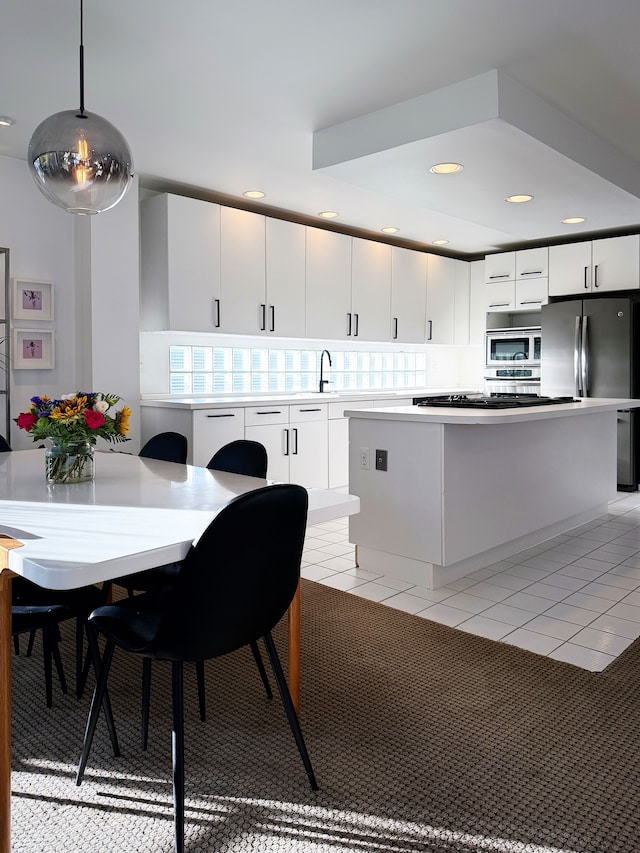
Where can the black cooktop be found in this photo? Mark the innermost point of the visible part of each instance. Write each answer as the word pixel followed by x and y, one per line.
pixel 495 401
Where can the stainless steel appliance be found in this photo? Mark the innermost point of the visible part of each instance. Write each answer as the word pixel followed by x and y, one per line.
pixel 494 401
pixel 591 349
pixel 512 361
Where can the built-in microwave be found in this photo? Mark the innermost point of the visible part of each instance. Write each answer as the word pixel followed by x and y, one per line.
pixel 517 348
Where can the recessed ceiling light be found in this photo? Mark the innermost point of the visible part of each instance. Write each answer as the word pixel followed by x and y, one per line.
pixel 390 229
pixel 6 121
pixel 440 242
pixel 328 214
pixel 446 168
pixel 518 199
pixel 574 220
pixel 254 194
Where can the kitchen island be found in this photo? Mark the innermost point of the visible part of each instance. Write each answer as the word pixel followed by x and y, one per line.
pixel 466 488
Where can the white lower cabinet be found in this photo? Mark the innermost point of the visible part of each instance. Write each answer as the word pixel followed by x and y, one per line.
pixel 295 438
pixel 206 430
pixel 212 429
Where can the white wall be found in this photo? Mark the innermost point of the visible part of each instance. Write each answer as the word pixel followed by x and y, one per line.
pixel 47 244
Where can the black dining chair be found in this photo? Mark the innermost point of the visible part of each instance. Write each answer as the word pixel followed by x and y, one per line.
pixel 166 446
pixel 241 457
pixel 5 447
pixel 238 457
pixel 35 608
pixel 234 586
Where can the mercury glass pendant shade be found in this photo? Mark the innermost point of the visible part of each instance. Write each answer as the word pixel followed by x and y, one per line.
pixel 80 162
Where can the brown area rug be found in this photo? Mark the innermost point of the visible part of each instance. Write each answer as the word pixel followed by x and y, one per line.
pixel 423 738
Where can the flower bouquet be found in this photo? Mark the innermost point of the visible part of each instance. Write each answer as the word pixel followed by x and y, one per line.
pixel 73 424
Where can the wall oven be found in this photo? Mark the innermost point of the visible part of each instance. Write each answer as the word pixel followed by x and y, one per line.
pixel 512 361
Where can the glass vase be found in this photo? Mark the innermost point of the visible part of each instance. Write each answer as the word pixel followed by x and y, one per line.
pixel 69 462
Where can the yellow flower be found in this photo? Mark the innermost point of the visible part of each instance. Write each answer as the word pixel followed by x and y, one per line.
pixel 69 410
pixel 122 420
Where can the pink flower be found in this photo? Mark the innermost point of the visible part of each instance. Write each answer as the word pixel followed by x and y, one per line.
pixel 94 420
pixel 26 420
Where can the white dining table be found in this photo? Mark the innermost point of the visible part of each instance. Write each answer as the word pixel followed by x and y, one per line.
pixel 138 513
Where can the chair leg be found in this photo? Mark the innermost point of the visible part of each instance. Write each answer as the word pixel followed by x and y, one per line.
pixel 55 651
pixel 32 638
pixel 177 742
pixel 96 701
pixel 146 699
pixel 50 651
pixel 263 672
pixel 16 644
pixel 79 656
pixel 201 693
pixel 94 655
pixel 289 709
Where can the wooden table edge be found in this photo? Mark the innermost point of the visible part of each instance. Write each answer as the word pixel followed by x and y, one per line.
pixel 6 544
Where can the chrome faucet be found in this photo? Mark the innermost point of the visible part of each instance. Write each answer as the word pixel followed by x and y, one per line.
pixel 323 382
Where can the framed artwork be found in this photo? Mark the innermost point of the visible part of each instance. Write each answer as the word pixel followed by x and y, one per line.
pixel 32 300
pixel 33 349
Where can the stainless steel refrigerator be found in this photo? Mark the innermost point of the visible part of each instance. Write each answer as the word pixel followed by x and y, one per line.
pixel 590 348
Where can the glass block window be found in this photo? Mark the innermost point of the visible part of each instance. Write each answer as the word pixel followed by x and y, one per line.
pixel 243 370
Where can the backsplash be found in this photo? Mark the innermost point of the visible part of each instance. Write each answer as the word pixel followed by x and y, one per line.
pixel 180 364
pixel 232 370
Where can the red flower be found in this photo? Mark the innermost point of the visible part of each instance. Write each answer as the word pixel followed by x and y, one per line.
pixel 94 420
pixel 26 420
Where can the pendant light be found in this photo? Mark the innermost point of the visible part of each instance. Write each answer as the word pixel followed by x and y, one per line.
pixel 79 160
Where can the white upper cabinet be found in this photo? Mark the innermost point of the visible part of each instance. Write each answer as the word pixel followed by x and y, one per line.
pixel 408 295
pixel 180 264
pixel 370 290
pixel 610 264
pixel 462 302
pixel 477 310
pixel 532 279
pixel 284 301
pixel 517 281
pixel 532 263
pixel 500 267
pixel 328 284
pixel 441 283
pixel 242 271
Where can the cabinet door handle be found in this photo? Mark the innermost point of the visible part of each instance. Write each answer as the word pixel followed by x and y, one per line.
pixel 272 318
pixel 595 276
pixel 496 305
pixel 226 415
pixel 430 324
pixel 530 302
pixel 586 285
pixel 503 275
pixel 355 333
pixel 532 272
pixel 263 317
pixel 270 412
pixel 310 410
pixel 295 441
pixel 349 324
pixel 216 322
pixel 395 328
pixel 286 441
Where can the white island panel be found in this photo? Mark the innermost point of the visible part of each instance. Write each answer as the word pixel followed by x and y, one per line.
pixel 465 489
pixel 506 481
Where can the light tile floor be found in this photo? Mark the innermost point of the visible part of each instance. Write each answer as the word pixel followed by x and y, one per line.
pixel 574 598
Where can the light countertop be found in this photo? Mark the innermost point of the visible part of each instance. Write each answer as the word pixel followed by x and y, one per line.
pixel 294 398
pixel 426 414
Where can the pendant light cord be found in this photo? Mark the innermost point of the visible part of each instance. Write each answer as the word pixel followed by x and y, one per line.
pixel 82 115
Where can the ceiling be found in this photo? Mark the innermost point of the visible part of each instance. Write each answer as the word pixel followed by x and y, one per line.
pixel 345 104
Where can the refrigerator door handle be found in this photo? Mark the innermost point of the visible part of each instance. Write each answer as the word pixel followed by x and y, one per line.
pixel 584 357
pixel 576 355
